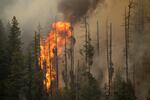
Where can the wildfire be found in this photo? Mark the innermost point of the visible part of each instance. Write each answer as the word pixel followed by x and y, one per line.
pixel 56 39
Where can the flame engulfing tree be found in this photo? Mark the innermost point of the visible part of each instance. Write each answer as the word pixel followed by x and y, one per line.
pixel 51 50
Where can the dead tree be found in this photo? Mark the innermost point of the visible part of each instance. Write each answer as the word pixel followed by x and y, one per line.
pixel 127 36
pixel 111 69
pixel 88 48
pixel 37 65
pixel 86 39
pixel 107 47
pixel 109 58
pixel 77 80
pixel 72 76
pixel 55 50
pixel 139 23
pixel 66 65
pixel 98 40
pixel 126 45
pixel 50 68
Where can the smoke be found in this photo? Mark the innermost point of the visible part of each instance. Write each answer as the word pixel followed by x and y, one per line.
pixel 139 54
pixel 29 13
pixel 114 14
pixel 77 8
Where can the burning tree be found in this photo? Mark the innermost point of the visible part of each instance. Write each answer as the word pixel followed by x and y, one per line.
pixel 51 50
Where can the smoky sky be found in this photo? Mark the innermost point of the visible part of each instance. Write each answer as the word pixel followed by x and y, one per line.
pixel 29 13
pixel 77 8
pixel 4 3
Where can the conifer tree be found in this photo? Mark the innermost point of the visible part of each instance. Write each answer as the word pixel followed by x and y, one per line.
pixel 122 90
pixel 15 81
pixel 34 76
pixel 88 51
pixel 148 97
pixel 3 60
pixel 89 88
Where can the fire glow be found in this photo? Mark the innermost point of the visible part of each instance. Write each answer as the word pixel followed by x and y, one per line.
pixel 59 36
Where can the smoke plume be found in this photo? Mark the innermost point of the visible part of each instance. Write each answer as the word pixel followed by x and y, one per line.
pixel 77 8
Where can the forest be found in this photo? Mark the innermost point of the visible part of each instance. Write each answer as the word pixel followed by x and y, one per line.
pixel 91 50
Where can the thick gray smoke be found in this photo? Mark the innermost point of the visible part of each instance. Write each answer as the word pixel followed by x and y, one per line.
pixel 77 8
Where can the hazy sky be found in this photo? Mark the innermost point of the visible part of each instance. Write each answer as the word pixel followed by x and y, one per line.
pixel 30 13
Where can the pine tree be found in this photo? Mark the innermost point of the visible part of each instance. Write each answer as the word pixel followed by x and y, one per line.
pixel 148 97
pixel 15 81
pixel 88 51
pixel 89 88
pixel 29 73
pixel 122 90
pixel 3 60
pixel 33 76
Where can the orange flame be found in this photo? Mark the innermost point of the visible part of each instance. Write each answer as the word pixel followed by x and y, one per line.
pixel 61 33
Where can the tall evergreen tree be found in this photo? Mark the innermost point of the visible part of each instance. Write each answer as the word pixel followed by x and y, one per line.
pixel 33 76
pixel 3 59
pixel 16 63
pixel 148 97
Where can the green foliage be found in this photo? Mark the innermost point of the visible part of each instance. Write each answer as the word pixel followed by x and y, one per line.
pixel 29 74
pixel 148 97
pixel 86 88
pixel 33 74
pixel 88 51
pixel 3 61
pixel 65 94
pixel 89 89
pixel 123 90
pixel 15 81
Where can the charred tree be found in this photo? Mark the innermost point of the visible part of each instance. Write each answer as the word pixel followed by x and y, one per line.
pixel 88 48
pixel 72 75
pixel 77 80
pixel 107 47
pixel 50 68
pixel 98 39
pixel 126 45
pixel 127 36
pixel 66 66
pixel 111 69
pixel 86 39
pixel 109 58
